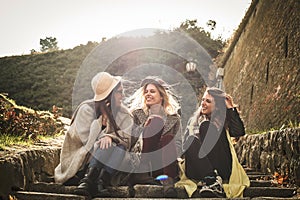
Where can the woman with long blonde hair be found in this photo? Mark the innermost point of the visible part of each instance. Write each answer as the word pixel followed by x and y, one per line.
pixel 155 107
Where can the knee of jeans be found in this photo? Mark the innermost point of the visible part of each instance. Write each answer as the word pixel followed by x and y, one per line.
pixel 119 150
pixel 121 146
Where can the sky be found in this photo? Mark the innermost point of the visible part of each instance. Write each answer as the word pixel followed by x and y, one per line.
pixel 74 22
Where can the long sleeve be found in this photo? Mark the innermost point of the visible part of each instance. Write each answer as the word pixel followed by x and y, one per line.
pixel 79 140
pixel 235 123
pixel 179 140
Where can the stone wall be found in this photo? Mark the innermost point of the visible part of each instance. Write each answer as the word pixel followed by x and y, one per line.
pixel 262 64
pixel 270 152
pixel 18 170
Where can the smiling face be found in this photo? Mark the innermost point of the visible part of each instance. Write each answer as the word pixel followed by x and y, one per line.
pixel 207 104
pixel 152 95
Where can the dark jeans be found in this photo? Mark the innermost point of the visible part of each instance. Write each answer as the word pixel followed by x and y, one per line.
pixel 197 168
pixel 109 158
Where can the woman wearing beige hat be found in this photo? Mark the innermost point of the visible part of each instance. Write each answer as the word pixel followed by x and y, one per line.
pixel 99 136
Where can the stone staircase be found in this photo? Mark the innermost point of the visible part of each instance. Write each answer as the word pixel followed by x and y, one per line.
pixel 261 188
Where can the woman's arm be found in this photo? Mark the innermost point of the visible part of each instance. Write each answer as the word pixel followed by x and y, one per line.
pixel 82 120
pixel 235 124
pixel 179 139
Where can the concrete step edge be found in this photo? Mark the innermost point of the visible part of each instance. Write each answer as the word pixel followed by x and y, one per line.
pixel 27 195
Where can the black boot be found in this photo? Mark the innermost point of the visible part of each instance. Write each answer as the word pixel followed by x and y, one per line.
pixel 169 189
pixel 87 185
pixel 143 178
pixel 101 191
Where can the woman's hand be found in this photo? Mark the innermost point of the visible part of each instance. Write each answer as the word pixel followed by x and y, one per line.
pixel 229 101
pixel 155 110
pixel 105 142
pixel 150 118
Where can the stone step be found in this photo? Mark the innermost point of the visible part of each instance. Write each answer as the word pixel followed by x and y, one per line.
pixel 21 195
pixel 51 188
pixel 257 189
pixel 257 173
pixel 274 198
pixel 259 177
pixel 114 192
pixel 248 169
pixel 260 183
pixel 142 191
pixel 270 192
pixel 59 188
pixel 24 195
pixel 170 198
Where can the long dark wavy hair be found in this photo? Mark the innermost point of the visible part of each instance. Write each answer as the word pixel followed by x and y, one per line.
pixel 218 116
pixel 106 106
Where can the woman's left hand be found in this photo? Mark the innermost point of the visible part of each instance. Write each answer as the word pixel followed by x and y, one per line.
pixel 105 142
pixel 229 101
pixel 150 118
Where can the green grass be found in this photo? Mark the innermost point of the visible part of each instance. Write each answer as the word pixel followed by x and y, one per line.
pixel 9 140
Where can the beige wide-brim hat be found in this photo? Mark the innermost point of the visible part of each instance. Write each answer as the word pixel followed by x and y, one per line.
pixel 103 84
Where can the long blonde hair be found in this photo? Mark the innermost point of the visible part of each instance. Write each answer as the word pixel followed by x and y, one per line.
pixel 170 103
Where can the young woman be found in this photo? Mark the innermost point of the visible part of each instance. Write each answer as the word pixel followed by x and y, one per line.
pixel 155 108
pixel 99 136
pixel 209 155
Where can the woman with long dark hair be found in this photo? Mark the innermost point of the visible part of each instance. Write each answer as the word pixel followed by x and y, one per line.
pixel 98 138
pixel 209 156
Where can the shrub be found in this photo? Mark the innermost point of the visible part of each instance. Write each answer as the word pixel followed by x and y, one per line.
pixel 27 123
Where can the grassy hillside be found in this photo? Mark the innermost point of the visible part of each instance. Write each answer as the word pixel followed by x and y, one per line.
pixel 40 81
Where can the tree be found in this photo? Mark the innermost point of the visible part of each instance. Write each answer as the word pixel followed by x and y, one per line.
pixel 48 44
pixel 212 24
pixel 32 51
pixel 203 37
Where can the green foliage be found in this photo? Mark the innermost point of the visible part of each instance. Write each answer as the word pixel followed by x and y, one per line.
pixel 293 124
pixel 203 37
pixel 10 140
pixel 48 44
pixel 212 24
pixel 26 123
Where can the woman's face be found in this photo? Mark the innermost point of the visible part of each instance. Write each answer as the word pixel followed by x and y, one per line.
pixel 118 96
pixel 207 104
pixel 152 95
